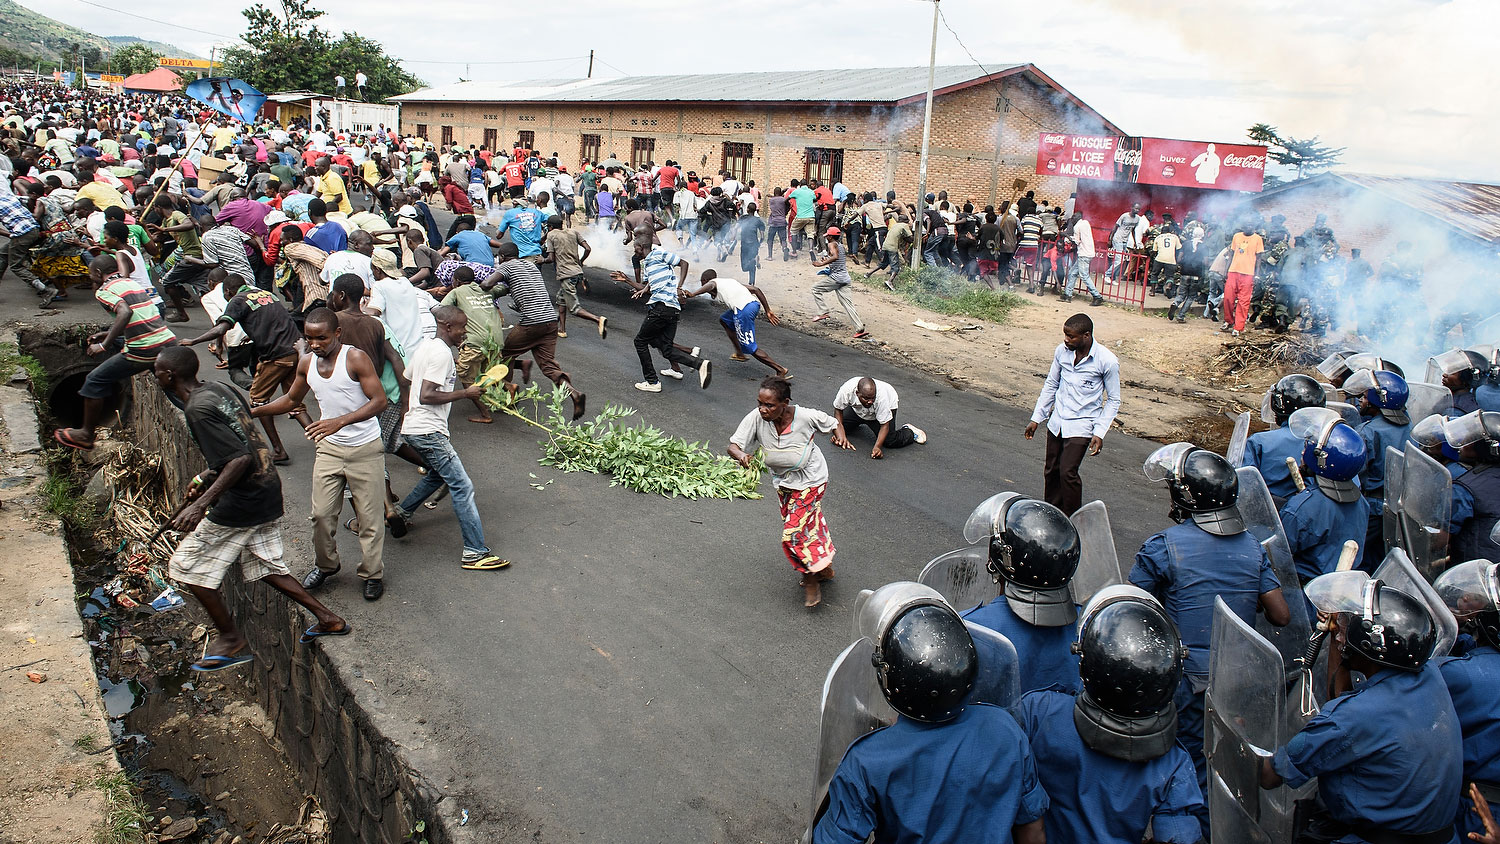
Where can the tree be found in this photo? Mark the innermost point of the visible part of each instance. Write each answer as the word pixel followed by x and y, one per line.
pixel 134 58
pixel 1306 156
pixel 285 50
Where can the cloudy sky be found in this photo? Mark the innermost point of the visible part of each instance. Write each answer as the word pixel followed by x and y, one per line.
pixel 1403 84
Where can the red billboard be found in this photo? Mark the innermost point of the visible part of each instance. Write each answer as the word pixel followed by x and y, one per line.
pixel 1152 161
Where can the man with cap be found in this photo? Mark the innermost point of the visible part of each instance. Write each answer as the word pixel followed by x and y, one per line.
pixel 1208 554
pixel 1331 510
pixel 1268 451
pixel 1382 402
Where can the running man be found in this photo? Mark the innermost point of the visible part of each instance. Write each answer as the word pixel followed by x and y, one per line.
pixel 663 311
pixel 745 302
pixel 562 252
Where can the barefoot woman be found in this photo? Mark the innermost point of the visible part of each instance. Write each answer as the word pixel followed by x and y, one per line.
pixel 785 434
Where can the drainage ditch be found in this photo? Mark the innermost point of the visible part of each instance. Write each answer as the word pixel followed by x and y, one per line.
pixel 278 753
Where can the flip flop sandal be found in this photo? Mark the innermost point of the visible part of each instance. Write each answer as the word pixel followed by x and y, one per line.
pixel 488 562
pixel 219 662
pixel 61 436
pixel 313 632
pixel 351 525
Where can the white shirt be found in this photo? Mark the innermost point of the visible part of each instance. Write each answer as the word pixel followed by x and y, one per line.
pixel 360 79
pixel 542 183
pixel 399 308
pixel 432 361
pixel 687 204
pixel 347 261
pixel 1083 235
pixel 882 411
pixel 1080 399
pixel 732 293
pixel 731 187
pixel 338 81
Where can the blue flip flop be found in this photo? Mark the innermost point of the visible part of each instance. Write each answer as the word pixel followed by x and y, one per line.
pixel 219 662
pixel 313 632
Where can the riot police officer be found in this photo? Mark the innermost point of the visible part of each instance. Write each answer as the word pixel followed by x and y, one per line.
pixel 1207 555
pixel 1382 402
pixel 1108 754
pixel 1428 435
pixel 946 770
pixel 1320 519
pixel 1388 754
pixel 1487 393
pixel 1268 451
pixel 1462 372
pixel 1476 436
pixel 1034 553
pixel 1471 592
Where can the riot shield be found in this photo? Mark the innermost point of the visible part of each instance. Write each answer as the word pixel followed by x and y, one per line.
pixel 1427 399
pixel 962 577
pixel 982 523
pixel 1398 571
pixel 1263 521
pixel 1245 720
pixel 1098 564
pixel 1426 506
pixel 1235 454
pixel 1348 412
pixel 1395 482
pixel 999 680
pixel 852 706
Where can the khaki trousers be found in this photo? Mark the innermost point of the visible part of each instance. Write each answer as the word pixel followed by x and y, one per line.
pixel 362 468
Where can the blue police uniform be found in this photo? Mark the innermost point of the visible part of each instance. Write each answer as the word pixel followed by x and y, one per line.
pixel 1463 501
pixel 1186 567
pixel 1488 396
pixel 1377 433
pixel 1268 451
pixel 1472 540
pixel 1317 527
pixel 1388 756
pixel 1101 799
pixel 1474 683
pixel 967 780
pixel 1464 403
pixel 1045 654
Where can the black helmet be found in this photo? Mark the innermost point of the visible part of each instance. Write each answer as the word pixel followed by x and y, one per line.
pixel 1034 551
pixel 926 663
pixel 1471 592
pixel 1203 485
pixel 1293 393
pixel 1131 662
pixel 1381 623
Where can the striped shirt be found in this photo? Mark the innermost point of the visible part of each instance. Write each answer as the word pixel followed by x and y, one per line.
pixel 529 291
pixel 225 245
pixel 657 266
pixel 146 333
pixel 838 270
pixel 1031 229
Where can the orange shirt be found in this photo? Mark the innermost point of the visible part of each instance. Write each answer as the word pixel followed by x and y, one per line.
pixel 1245 248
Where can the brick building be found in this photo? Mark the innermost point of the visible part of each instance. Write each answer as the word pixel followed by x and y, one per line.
pixel 861 127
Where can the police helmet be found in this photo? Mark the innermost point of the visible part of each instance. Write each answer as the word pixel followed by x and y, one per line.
pixel 1469 366
pixel 1479 428
pixel 1131 663
pixel 1381 623
pixel 1034 551
pixel 1428 434
pixel 925 662
pixel 1371 361
pixel 1384 390
pixel 1491 355
pixel 1203 485
pixel 1332 451
pixel 1471 592
pixel 1293 393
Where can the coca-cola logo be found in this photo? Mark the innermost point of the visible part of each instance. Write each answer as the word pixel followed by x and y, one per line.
pixel 1128 157
pixel 1055 140
pixel 1253 162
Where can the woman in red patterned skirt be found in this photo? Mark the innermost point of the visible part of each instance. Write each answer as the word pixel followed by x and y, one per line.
pixel 785 434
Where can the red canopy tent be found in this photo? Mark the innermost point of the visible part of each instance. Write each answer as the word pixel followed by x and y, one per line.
pixel 162 80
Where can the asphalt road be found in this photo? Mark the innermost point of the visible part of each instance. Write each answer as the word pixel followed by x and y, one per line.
pixel 645 671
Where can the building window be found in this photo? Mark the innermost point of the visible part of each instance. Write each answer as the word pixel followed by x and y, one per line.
pixel 527 118
pixel 746 124
pixel 527 139
pixel 591 121
pixel 737 160
pixel 588 148
pixel 642 151
pixel 825 165
pixel 422 131
pixel 447 135
pixel 446 114
pixel 491 137
pixel 492 117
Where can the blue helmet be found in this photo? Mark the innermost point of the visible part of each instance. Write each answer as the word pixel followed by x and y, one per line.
pixel 1333 452
pixel 1384 390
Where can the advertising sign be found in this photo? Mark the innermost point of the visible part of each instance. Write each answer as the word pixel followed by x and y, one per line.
pixel 1078 156
pixel 1152 161
pixel 200 64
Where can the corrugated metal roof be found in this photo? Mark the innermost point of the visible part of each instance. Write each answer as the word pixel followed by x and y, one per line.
pixel 1473 208
pixel 858 85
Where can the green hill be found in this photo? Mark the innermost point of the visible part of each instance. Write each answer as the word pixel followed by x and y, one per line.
pixel 28 33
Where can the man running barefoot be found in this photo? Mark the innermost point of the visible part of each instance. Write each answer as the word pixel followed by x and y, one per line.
pixel 231 515
pixel 745 302
pixel 562 252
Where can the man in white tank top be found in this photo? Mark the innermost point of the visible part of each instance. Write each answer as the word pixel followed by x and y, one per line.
pixel 349 448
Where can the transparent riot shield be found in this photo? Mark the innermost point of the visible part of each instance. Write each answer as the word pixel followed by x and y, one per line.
pixel 999 680
pixel 1263 521
pixel 1348 412
pixel 1426 506
pixel 962 577
pixel 1427 399
pixel 1397 570
pixel 1245 720
pixel 1395 482
pixel 852 706
pixel 1235 454
pixel 1098 564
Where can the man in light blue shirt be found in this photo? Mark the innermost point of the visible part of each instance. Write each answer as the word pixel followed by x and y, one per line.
pixel 662 284
pixel 1078 403
pixel 527 227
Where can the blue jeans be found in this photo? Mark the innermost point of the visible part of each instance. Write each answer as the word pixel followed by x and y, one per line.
pixel 444 467
pixel 1080 271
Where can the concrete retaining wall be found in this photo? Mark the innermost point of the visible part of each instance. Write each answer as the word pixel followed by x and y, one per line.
pixel 369 792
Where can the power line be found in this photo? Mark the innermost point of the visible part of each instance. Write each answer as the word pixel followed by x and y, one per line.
pixel 976 62
pixel 520 61
pixel 610 66
pixel 154 20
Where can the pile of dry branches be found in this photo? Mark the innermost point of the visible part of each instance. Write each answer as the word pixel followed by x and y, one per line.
pixel 1289 350
pixel 140 504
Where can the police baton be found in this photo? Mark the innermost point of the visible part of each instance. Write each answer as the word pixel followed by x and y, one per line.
pixel 1315 643
pixel 1291 463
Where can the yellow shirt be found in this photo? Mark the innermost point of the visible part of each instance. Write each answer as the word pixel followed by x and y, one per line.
pixel 224 136
pixel 101 193
pixel 330 187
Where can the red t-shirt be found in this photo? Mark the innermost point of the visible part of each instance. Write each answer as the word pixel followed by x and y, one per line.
pixel 343 160
pixel 486 155
pixel 515 174
pixel 823 197
pixel 457 199
pixel 311 157
pixel 666 178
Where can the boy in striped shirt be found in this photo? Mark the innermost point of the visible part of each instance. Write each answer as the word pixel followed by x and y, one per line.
pixel 139 322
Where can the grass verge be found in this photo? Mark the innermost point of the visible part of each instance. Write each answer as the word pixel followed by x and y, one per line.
pixel 946 292
pixel 11 357
pixel 61 493
pixel 124 813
